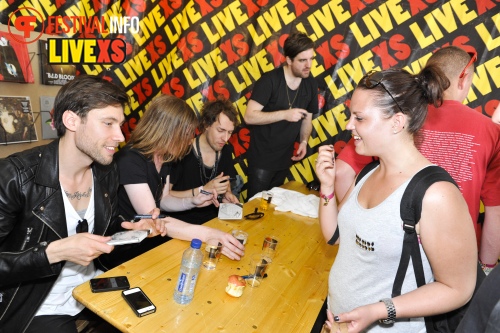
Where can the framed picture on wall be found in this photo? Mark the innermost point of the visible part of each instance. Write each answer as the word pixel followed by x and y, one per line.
pixel 15 64
pixel 54 74
pixel 16 120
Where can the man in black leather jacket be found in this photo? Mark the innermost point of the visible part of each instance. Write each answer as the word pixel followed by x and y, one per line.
pixel 49 197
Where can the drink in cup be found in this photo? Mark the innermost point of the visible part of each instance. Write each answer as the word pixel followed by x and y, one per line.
pixel 240 235
pixel 258 267
pixel 212 255
pixel 269 246
pixel 265 200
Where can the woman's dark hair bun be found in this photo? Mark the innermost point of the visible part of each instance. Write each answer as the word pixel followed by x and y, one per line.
pixel 433 82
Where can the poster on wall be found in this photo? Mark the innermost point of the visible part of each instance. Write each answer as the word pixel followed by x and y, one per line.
pixel 54 74
pixel 200 50
pixel 46 109
pixel 15 64
pixel 16 120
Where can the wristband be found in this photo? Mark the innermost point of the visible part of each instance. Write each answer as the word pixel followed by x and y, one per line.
pixel 327 198
pixel 487 265
pixel 487 268
pixel 304 141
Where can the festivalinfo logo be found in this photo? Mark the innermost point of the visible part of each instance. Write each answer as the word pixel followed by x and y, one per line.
pixel 74 50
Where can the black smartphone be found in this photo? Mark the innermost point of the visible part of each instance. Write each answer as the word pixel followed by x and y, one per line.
pixel 138 301
pixel 99 285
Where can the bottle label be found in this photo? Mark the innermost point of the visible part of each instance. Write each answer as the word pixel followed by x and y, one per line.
pixel 182 282
pixel 193 283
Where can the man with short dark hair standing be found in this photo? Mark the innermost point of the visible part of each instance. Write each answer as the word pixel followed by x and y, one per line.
pixel 280 113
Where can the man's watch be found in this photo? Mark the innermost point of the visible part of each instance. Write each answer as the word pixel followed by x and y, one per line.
pixel 391 312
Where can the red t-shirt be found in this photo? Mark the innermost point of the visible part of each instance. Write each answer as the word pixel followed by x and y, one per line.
pixel 463 142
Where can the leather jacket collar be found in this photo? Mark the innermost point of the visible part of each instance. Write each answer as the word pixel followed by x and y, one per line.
pixel 47 175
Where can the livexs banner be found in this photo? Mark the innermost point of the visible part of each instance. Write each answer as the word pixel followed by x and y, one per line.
pixel 199 49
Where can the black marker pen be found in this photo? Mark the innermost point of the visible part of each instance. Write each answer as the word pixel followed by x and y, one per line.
pixel 139 217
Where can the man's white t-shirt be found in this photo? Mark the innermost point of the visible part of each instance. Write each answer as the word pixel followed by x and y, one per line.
pixel 60 300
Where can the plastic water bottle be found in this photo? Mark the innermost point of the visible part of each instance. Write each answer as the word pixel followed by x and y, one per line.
pixel 190 267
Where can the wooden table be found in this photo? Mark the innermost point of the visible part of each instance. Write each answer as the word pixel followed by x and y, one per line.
pixel 288 300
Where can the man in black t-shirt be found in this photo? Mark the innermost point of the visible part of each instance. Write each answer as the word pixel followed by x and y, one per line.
pixel 280 113
pixel 209 165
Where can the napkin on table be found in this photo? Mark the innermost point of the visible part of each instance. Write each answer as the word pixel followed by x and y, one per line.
pixel 292 201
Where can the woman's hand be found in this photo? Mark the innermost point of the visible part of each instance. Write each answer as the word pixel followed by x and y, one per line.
pixel 332 325
pixel 203 200
pixel 155 225
pixel 325 166
pixel 231 247
pixel 329 320
pixel 360 318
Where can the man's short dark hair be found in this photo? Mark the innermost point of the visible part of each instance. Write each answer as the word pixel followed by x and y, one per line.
pixel 211 110
pixel 83 94
pixel 296 43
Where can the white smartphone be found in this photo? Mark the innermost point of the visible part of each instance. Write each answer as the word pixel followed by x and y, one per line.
pixel 138 301
pixel 128 237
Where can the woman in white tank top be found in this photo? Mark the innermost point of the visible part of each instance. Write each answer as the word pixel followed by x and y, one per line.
pixel 387 109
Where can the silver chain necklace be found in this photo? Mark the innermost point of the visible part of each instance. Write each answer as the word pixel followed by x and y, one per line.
pixel 296 93
pixel 203 176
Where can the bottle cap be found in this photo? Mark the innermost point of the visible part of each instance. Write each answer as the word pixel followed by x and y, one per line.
pixel 196 243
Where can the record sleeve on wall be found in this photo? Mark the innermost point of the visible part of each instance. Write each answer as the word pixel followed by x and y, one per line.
pixel 16 120
pixel 47 110
pixel 15 64
pixel 54 74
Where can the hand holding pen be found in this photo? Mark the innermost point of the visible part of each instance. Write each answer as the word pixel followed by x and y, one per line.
pixel 156 226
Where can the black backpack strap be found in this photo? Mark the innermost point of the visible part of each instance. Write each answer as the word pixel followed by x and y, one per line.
pixel 369 167
pixel 361 174
pixel 410 211
pixel 335 236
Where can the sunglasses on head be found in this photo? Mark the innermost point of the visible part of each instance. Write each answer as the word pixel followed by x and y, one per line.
pixel 373 79
pixel 473 58
pixel 82 226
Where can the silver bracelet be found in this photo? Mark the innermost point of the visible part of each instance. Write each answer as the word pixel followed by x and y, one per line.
pixel 391 312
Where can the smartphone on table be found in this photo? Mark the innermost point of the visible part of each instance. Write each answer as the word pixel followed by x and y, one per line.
pixel 99 285
pixel 138 301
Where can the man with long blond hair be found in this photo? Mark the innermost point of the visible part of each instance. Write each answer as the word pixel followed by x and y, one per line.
pixel 164 135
